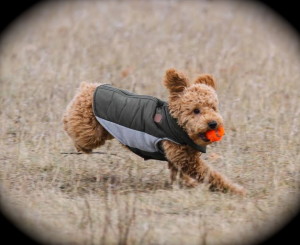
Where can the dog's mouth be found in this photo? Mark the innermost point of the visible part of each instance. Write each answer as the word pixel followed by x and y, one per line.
pixel 203 137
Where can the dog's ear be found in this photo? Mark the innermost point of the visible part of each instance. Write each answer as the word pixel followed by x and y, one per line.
pixel 175 81
pixel 206 79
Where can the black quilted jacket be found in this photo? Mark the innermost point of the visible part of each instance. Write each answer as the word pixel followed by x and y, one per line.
pixel 140 122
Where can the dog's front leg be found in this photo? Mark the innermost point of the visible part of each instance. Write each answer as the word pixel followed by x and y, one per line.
pixel 173 172
pixel 187 180
pixel 188 161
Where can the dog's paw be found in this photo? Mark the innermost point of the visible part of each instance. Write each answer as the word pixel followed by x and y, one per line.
pixel 81 149
pixel 188 182
pixel 232 188
pixel 237 189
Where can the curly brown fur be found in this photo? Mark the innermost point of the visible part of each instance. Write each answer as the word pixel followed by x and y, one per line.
pixel 80 122
pixel 186 160
pixel 184 98
pixel 194 105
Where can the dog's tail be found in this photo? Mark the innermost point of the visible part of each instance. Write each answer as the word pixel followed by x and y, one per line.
pixel 84 85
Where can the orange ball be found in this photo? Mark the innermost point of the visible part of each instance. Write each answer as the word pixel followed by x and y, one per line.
pixel 215 134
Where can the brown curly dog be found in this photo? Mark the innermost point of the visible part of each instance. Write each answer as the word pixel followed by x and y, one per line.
pixel 173 131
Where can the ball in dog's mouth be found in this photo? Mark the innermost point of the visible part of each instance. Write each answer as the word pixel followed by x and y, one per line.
pixel 212 135
pixel 203 137
pixel 215 134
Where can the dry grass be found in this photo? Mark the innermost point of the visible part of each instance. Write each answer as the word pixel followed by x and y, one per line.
pixel 116 197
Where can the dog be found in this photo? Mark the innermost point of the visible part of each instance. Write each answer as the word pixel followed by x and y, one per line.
pixel 173 131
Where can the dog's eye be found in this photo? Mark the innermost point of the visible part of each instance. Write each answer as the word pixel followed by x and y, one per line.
pixel 214 108
pixel 196 111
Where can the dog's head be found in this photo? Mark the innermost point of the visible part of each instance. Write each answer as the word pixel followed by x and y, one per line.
pixel 194 105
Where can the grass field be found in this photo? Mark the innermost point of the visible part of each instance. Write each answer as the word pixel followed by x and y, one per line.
pixel 115 197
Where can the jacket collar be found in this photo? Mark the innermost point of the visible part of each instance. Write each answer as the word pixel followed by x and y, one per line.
pixel 178 132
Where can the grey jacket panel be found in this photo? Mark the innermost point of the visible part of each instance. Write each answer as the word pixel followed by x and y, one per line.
pixel 129 118
pixel 131 137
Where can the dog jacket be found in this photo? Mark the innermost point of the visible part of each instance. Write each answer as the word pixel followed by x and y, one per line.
pixel 139 122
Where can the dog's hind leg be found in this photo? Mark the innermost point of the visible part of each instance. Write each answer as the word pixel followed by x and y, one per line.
pixel 80 122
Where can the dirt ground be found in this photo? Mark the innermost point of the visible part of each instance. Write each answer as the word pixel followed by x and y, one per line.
pixel 113 196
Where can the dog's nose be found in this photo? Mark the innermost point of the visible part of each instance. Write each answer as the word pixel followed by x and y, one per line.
pixel 212 124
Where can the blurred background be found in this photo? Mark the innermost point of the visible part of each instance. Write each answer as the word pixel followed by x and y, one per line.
pixel 116 197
